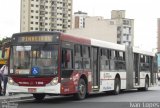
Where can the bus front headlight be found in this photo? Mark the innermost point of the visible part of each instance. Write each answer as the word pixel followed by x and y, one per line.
pixel 54 81
pixel 11 82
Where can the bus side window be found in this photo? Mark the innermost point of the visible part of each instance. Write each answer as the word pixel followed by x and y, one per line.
pixel 78 57
pixel 66 59
pixel 86 57
pixel 104 59
pixel 112 58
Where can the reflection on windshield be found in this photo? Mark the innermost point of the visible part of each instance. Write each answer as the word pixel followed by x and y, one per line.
pixel 43 57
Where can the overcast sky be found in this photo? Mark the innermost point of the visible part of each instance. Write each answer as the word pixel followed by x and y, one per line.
pixel 144 12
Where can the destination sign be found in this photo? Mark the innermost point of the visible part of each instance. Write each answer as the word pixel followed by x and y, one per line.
pixel 35 39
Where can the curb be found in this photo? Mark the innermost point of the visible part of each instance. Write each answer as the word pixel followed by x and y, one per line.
pixel 27 97
pixel 14 97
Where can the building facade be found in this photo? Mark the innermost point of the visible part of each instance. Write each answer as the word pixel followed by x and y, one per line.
pixel 125 27
pixel 158 35
pixel 97 28
pixel 46 15
pixel 79 20
pixel 118 29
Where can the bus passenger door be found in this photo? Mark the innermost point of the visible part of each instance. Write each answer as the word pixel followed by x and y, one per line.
pixel 136 68
pixel 95 68
pixel 153 69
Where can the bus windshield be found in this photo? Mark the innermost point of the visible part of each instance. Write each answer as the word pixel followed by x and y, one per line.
pixel 34 60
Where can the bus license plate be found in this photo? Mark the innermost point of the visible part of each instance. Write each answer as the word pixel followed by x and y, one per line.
pixel 32 90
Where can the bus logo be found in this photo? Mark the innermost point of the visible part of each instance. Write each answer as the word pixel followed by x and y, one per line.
pixel 35 70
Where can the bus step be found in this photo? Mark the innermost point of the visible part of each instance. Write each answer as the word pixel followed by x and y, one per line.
pixel 95 88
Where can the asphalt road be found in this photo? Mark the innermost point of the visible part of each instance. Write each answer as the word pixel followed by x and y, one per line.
pixel 127 99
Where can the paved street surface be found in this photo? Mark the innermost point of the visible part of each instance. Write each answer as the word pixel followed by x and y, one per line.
pixel 127 99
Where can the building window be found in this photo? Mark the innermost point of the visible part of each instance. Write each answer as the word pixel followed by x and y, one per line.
pixel 32 5
pixel 111 22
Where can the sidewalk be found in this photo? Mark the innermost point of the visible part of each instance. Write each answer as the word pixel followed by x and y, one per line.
pixel 16 96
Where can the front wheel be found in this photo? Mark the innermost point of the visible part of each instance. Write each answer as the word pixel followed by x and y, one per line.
pixel 82 90
pixel 39 97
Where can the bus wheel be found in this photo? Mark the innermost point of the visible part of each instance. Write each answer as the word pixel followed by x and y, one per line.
pixel 82 90
pixel 39 97
pixel 145 88
pixel 116 86
pixel 146 84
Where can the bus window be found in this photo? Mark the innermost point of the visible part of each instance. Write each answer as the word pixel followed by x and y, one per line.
pixel 77 50
pixel 66 59
pixel 104 59
pixel 144 63
pixel 86 57
pixel 112 58
pixel 78 57
pixel 118 60
pixel 27 57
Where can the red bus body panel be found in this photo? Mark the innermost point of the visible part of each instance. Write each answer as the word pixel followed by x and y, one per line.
pixel 70 85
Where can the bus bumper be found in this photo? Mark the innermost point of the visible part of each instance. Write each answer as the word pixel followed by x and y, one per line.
pixel 55 89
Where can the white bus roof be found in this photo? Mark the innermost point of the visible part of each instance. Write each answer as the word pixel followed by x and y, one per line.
pixel 138 50
pixel 108 45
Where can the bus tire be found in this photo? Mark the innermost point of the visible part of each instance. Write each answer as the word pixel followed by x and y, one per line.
pixel 39 97
pixel 146 84
pixel 82 90
pixel 117 86
pixel 145 88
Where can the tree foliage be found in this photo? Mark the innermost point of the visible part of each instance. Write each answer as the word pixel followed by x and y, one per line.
pixel 4 41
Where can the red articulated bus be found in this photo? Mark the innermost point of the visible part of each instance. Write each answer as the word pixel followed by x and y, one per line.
pixel 51 63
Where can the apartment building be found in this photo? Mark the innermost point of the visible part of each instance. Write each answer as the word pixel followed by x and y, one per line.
pixel 125 27
pixel 79 19
pixel 118 29
pixel 46 15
